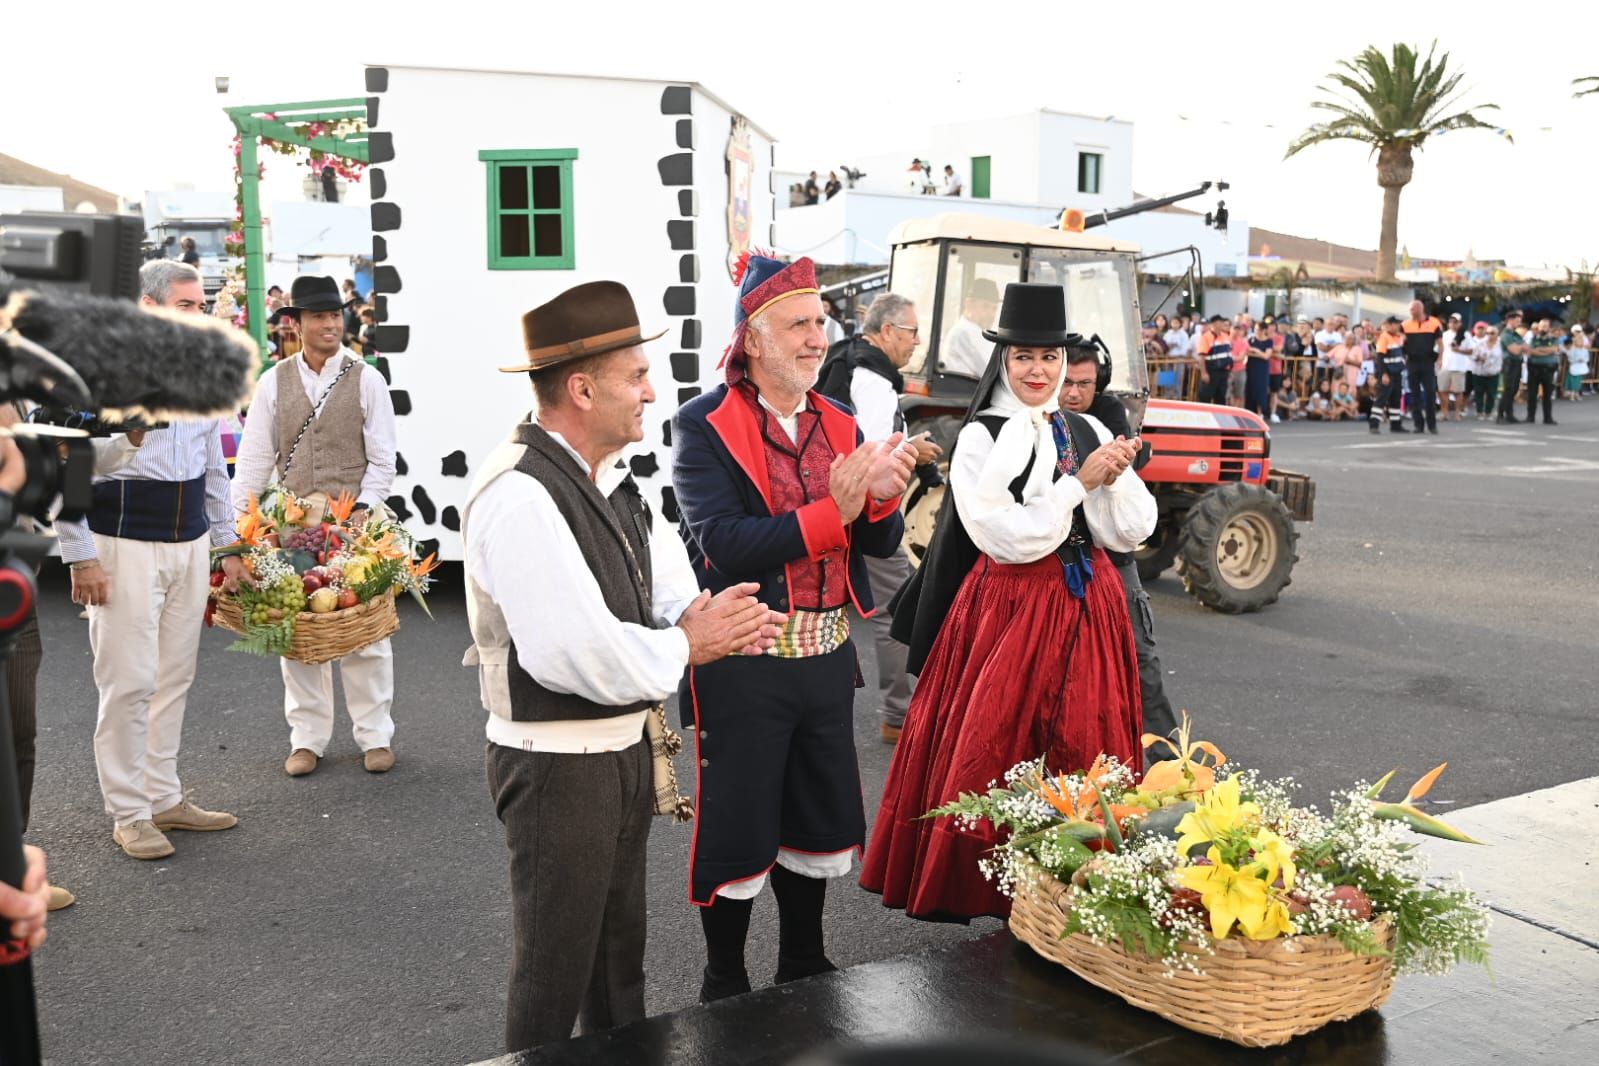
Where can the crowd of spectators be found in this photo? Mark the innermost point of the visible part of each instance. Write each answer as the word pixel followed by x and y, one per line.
pixel 1327 368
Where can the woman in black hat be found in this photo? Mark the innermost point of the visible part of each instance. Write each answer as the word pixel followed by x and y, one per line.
pixel 1017 622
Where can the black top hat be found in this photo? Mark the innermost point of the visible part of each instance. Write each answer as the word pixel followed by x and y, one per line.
pixel 312 293
pixel 1032 315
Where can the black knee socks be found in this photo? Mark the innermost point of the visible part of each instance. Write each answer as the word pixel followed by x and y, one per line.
pixel 800 899
pixel 726 923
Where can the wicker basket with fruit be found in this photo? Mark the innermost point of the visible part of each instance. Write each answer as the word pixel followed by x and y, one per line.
pixel 321 585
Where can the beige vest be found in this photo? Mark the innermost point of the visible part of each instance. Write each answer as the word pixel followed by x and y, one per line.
pixel 331 455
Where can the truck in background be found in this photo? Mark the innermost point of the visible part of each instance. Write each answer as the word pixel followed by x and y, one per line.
pixel 171 215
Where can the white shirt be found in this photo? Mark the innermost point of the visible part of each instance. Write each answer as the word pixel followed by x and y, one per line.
pixel 952 184
pixel 875 402
pixel 522 553
pixel 1121 516
pixel 257 461
pixel 181 452
pixel 1178 344
pixel 965 350
pixel 1457 360
pixel 1326 341
pixel 1577 358
pixel 1488 357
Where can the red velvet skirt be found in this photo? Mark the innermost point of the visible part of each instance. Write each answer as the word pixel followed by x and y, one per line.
pixel 1020 668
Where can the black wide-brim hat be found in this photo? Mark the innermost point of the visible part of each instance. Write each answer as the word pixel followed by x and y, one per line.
pixel 1032 315
pixel 586 320
pixel 312 293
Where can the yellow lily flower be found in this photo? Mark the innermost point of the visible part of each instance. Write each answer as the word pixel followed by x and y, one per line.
pixel 1230 895
pixel 1220 809
pixel 1275 922
pixel 1276 856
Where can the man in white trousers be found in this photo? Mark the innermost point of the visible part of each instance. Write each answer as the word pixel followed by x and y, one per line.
pixel 141 564
pixel 323 422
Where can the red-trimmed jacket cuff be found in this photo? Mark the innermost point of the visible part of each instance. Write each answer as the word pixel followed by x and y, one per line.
pixel 876 512
pixel 822 528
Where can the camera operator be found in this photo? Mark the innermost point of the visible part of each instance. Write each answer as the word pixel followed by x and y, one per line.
pixel 143 573
pixel 21 666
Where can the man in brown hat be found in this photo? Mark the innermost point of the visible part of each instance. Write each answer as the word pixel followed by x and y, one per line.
pixel 575 654
pixel 322 422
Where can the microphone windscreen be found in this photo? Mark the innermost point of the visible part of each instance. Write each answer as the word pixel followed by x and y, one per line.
pixel 148 362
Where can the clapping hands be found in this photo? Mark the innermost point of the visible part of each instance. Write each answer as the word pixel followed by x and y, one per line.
pixel 879 468
pixel 1106 463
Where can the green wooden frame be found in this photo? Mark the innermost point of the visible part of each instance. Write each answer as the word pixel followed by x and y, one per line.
pixel 495 158
pixel 282 122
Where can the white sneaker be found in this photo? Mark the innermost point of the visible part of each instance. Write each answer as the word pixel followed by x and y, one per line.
pixel 1274 418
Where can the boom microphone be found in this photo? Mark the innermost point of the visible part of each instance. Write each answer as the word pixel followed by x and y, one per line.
pixel 147 363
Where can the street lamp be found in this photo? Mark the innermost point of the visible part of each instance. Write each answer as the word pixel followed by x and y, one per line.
pixel 222 84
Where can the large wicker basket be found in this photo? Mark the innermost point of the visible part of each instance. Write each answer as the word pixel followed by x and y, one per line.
pixel 321 638
pixel 1258 993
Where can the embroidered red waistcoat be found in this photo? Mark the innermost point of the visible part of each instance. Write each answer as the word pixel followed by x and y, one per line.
pixel 799 474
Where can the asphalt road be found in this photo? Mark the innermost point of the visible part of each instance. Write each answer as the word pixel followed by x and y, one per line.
pixel 1442 608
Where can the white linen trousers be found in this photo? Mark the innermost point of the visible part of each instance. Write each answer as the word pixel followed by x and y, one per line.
pixel 368 677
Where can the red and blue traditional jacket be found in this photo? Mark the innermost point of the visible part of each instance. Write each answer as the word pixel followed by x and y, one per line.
pixel 738 524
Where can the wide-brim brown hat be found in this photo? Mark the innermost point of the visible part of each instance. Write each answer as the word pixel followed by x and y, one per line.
pixel 583 321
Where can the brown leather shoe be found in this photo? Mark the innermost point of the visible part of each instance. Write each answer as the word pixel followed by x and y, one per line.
pixel 60 898
pixel 300 762
pixel 195 819
pixel 891 733
pixel 378 760
pixel 142 840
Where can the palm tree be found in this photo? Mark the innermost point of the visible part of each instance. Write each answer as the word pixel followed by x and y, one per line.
pixel 1588 86
pixel 1394 103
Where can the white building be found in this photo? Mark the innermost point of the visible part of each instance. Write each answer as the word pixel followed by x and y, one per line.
pixel 1021 168
pixel 493 191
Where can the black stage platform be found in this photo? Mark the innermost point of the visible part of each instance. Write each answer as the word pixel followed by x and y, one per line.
pixel 1541 1003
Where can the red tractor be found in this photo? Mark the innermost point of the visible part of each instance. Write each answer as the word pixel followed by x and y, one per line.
pixel 1226 516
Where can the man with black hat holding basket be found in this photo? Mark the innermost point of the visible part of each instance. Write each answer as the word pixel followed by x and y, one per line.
pixel 584 616
pixel 322 423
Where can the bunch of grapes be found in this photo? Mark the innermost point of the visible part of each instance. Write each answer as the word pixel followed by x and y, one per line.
pixel 286 596
pixel 313 539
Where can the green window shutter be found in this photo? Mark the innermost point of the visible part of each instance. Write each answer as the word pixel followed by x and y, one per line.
pixel 528 200
pixel 980 174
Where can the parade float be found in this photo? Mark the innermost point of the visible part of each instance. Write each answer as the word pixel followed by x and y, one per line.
pixel 322 578
pixel 1205 895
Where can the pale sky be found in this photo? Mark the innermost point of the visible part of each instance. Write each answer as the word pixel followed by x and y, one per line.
pixel 127 102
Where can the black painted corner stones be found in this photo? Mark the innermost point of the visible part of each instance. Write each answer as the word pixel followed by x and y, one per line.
pixel 677 169
pixel 675 100
pixel 380 249
pixel 385 217
pixel 669 504
pixel 371 112
pixel 679 300
pixel 688 269
pixel 685 395
pixel 385 279
pixel 685 133
pixel 379 146
pixel 454 465
pixel 402 400
pixel 645 465
pixel 680 231
pixel 688 203
pixel 685 366
pixel 691 334
pixel 391 339
pixel 378 183
pixel 377 79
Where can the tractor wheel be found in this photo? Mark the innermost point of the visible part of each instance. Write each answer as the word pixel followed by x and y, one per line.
pixel 1237 548
pixel 1155 555
pixel 919 523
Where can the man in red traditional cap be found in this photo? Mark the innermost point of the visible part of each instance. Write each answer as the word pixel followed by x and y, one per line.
pixel 777 487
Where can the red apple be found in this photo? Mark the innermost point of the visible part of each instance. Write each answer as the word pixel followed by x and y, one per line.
pixel 311 581
pixel 348 599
